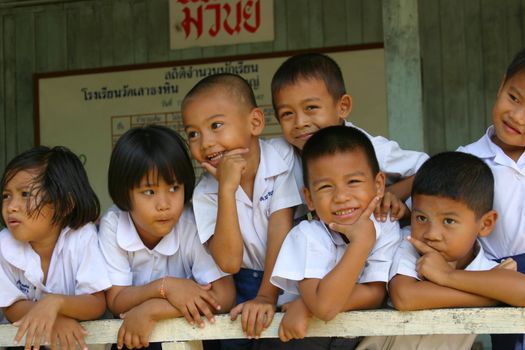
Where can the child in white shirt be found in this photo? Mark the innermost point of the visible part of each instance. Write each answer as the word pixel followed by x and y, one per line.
pixel 341 261
pixel 244 202
pixel 157 265
pixel 51 271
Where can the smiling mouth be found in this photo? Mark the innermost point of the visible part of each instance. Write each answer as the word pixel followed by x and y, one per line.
pixel 511 128
pixel 345 212
pixel 215 157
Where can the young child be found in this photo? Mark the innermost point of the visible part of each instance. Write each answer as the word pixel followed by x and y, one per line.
pixel 244 202
pixel 157 266
pixel 501 148
pixel 51 271
pixel 442 264
pixel 308 94
pixel 341 261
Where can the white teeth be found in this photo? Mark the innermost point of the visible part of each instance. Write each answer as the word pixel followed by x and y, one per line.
pixel 215 156
pixel 344 212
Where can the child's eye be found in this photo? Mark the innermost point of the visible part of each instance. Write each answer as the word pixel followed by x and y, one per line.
pixel 175 188
pixel 421 218
pixel 216 125
pixel 448 221
pixel 191 134
pixel 148 192
pixel 5 196
pixel 514 98
pixel 26 194
pixel 353 181
pixel 323 187
pixel 311 108
pixel 285 114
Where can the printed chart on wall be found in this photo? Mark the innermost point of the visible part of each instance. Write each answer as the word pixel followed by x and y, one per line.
pixel 88 111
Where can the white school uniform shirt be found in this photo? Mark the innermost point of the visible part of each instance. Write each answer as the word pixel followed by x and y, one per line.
pixel 406 257
pixel 404 263
pixel 508 236
pixel 178 254
pixel 274 189
pixel 311 250
pixel 76 267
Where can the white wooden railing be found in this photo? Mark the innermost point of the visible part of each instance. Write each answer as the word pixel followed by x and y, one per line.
pixel 178 334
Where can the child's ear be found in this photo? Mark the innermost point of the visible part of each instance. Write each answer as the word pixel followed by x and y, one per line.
pixel 308 199
pixel 344 106
pixel 487 222
pixel 380 184
pixel 256 121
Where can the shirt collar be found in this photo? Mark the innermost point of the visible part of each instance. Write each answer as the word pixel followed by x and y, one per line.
pixel 128 238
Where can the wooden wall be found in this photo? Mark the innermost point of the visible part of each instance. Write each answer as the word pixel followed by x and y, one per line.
pixel 465 47
pixel 43 36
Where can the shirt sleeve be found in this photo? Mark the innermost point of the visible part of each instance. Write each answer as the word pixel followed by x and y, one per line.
pixel 92 275
pixel 405 260
pixel 379 261
pixel 205 210
pixel 115 258
pixel 9 293
pixel 202 266
pixel 302 255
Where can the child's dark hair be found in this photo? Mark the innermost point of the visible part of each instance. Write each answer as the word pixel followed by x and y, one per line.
pixel 516 66
pixel 309 66
pixel 233 84
pixel 458 176
pixel 338 139
pixel 141 150
pixel 61 181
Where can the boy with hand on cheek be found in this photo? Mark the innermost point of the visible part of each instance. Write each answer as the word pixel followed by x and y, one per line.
pixel 244 202
pixel 442 263
pixel 340 262
pixel 308 94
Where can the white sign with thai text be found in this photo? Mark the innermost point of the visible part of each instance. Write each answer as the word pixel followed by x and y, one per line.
pixel 220 22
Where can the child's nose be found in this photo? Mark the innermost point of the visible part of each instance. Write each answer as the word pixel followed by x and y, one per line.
pixel 301 120
pixel 432 234
pixel 163 202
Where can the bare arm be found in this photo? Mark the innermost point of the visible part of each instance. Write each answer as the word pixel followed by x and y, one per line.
pixel 122 298
pixel 366 296
pixel 408 293
pixel 223 290
pixel 402 188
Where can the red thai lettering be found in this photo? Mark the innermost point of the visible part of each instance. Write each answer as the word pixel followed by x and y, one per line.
pixel 188 21
pixel 237 28
pixel 214 30
pixel 248 12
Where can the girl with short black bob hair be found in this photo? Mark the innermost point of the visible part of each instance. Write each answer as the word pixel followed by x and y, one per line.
pixel 51 270
pixel 157 265
pixel 145 148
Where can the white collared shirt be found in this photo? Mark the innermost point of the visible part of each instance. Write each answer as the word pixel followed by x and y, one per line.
pixel 274 189
pixel 76 267
pixel 178 254
pixel 311 250
pixel 406 257
pixel 508 236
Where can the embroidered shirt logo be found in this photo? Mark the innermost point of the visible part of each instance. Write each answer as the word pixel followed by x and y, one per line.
pixel 23 287
pixel 265 196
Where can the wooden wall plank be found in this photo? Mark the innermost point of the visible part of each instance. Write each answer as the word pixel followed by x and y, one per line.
pixel 140 28
pixel 25 56
pixel 494 48
pixel 104 13
pixel 334 16
pixel 354 22
pixel 372 21
pixel 50 40
pixel 280 25
pixel 474 71
pixel 514 25
pixel 315 26
pixel 83 34
pixel 157 30
pixel 430 29
pixel 3 130
pixel 9 44
pixel 123 40
pixel 454 78
pixel 298 33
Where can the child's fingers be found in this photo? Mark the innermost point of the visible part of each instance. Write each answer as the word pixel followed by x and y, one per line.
pixel 236 151
pixel 195 315
pixel 210 299
pixel 79 338
pixel 120 337
pixel 205 310
pixel 269 318
pixel 187 315
pixel 249 319
pixel 236 311
pixel 281 334
pixel 420 246
pixel 144 341
pixel 209 168
pixel 135 342
pixel 22 329
pixel 260 321
pixel 371 207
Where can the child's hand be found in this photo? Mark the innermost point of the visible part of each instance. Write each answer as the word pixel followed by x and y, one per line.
pixel 390 203
pixel 363 229
pixel 431 266
pixel 230 169
pixel 507 264
pixel 38 322
pixel 136 329
pixel 256 315
pixel 192 299
pixel 67 333
pixel 295 321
